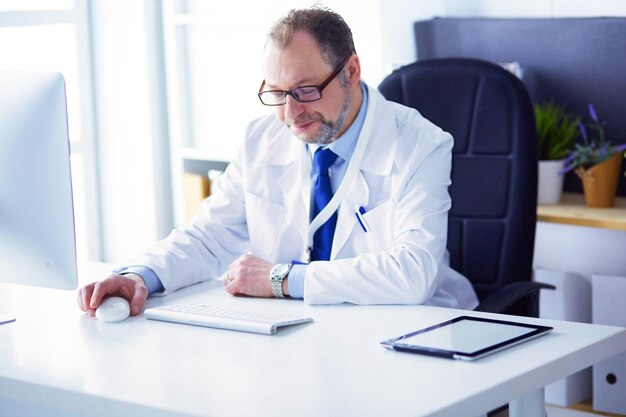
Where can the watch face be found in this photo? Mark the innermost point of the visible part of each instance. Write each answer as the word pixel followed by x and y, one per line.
pixel 281 269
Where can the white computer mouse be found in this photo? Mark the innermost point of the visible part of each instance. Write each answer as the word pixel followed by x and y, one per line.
pixel 113 309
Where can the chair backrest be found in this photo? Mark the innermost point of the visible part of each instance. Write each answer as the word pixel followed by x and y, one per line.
pixel 494 169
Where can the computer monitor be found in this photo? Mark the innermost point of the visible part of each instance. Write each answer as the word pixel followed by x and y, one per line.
pixel 37 238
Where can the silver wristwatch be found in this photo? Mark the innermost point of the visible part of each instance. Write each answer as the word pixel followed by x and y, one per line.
pixel 277 274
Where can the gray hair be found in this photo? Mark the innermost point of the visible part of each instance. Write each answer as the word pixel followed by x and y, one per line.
pixel 328 28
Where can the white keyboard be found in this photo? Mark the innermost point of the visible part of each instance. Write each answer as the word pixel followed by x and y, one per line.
pixel 224 318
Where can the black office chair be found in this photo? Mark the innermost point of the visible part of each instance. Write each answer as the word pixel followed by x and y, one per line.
pixel 494 173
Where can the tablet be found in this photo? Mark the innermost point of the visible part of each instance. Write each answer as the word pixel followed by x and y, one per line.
pixel 466 338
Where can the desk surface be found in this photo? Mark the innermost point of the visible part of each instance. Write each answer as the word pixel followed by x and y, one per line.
pixel 334 366
pixel 572 210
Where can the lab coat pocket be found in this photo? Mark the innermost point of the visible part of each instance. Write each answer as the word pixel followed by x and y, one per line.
pixel 379 220
pixel 265 219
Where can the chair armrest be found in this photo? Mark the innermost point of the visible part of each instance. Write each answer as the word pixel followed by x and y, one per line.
pixel 503 298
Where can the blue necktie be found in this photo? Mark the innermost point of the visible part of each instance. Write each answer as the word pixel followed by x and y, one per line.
pixel 323 237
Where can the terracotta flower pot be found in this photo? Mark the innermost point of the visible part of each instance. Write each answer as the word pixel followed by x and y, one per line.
pixel 600 181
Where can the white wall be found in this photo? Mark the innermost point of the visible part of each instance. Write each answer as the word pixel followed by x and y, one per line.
pixel 126 129
pixel 396 21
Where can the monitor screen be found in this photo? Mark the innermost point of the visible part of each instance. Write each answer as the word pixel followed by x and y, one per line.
pixel 37 242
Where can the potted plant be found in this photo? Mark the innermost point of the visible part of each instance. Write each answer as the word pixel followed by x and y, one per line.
pixel 557 131
pixel 597 162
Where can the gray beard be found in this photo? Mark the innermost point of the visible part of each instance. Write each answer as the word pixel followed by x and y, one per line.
pixel 328 130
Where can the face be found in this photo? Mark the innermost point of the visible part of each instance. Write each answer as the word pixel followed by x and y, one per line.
pixel 301 63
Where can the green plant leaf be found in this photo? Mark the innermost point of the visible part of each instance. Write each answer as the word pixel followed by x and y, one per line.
pixel 557 130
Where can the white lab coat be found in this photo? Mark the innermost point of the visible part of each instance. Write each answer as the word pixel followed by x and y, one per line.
pixel 261 204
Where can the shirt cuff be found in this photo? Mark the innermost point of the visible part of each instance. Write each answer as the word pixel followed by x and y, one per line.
pixel 153 283
pixel 295 283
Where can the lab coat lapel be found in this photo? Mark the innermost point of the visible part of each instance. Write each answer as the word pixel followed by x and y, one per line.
pixel 295 185
pixel 377 160
pixel 346 217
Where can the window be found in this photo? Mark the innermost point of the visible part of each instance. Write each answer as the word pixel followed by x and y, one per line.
pixel 213 59
pixel 45 35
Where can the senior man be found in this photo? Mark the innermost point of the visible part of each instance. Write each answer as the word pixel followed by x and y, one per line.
pixel 341 196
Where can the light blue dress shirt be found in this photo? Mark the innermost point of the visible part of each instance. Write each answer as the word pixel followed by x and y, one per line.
pixel 343 147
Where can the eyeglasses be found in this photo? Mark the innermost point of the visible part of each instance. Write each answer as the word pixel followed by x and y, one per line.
pixel 304 94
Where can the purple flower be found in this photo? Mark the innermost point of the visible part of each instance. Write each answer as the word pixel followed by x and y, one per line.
pixel 567 168
pixel 569 158
pixel 592 113
pixel 583 131
pixel 595 149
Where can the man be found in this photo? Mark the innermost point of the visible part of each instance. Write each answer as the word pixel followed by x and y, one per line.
pixel 353 209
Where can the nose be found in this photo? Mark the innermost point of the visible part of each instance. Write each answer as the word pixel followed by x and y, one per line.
pixel 292 108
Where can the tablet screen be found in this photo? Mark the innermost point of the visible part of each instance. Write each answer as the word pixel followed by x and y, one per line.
pixel 466 337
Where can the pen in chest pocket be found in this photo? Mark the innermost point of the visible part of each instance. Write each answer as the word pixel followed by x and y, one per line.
pixel 359 211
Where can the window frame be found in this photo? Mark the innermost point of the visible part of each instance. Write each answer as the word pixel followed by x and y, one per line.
pixel 79 16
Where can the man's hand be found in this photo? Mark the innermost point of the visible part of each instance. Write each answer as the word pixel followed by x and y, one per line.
pixel 249 275
pixel 129 286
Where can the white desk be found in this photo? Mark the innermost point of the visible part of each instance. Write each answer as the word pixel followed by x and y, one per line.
pixel 64 361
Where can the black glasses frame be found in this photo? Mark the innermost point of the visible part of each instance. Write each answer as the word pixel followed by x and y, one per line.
pixel 294 93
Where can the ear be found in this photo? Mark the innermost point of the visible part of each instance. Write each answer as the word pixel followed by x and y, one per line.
pixel 354 70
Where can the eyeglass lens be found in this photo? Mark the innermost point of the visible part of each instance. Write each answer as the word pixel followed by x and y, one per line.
pixel 303 94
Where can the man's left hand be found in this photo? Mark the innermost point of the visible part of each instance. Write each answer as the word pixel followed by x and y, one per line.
pixel 249 275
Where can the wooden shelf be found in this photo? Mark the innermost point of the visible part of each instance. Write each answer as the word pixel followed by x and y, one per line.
pixel 572 210
pixel 587 407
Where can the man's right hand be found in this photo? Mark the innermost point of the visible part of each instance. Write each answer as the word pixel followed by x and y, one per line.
pixel 129 286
